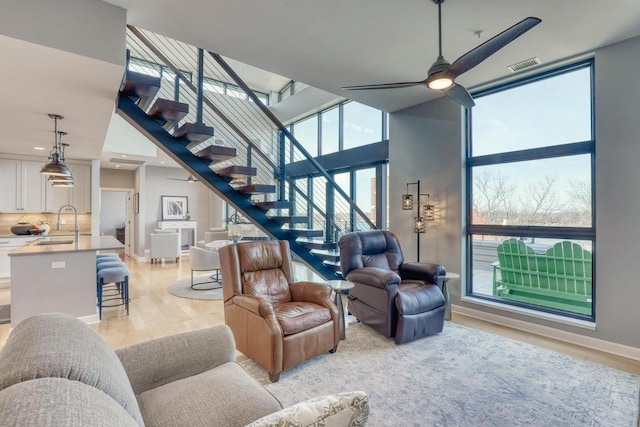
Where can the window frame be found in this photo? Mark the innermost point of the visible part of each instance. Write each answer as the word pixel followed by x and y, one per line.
pixel 548 152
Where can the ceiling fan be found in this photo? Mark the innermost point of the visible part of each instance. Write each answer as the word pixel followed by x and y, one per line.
pixel 442 74
pixel 189 179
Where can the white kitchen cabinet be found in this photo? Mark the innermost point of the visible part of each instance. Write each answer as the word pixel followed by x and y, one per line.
pixel 8 244
pixel 23 186
pixel 78 196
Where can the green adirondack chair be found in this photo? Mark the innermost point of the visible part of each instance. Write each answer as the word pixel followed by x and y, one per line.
pixel 559 278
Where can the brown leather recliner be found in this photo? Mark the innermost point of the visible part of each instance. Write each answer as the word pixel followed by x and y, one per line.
pixel 275 321
pixel 396 298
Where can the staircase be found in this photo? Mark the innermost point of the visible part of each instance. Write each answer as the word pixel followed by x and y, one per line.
pixel 155 107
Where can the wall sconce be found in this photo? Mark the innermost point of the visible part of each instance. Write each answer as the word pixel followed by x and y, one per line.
pixel 56 166
pixel 427 210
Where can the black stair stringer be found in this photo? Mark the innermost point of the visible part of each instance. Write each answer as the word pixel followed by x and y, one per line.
pixel 198 167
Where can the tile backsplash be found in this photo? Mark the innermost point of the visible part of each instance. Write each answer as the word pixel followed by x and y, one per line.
pixel 8 220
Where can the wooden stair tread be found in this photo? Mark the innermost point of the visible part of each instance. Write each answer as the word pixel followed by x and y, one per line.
pixel 316 244
pixel 304 232
pixel 217 153
pixel 168 112
pixel 290 219
pixel 275 204
pixel 238 171
pixel 256 189
pixel 326 254
pixel 194 132
pixel 334 265
pixel 142 87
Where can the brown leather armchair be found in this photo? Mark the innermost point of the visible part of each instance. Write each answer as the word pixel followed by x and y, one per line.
pixel 275 321
pixel 396 298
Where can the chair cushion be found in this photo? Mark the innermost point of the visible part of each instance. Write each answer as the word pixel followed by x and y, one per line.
pixel 60 402
pixel 296 317
pixel 271 285
pixel 208 399
pixel 419 299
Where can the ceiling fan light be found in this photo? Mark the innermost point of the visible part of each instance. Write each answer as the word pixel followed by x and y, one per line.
pixel 440 82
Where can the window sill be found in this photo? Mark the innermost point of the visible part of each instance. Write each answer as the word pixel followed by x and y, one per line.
pixel 584 324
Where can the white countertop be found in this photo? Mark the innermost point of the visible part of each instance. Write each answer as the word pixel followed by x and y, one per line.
pixel 85 243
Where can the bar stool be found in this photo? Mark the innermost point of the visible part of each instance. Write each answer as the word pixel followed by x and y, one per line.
pixel 118 275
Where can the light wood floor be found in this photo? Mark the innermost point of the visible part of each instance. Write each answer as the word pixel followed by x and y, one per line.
pixel 155 313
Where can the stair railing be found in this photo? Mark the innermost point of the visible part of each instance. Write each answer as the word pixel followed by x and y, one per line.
pixel 246 124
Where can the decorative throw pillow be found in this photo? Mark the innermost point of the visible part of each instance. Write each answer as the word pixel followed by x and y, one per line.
pixel 337 410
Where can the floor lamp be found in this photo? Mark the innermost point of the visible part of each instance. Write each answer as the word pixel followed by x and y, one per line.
pixel 422 217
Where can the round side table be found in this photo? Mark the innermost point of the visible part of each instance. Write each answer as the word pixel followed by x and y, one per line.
pixel 338 286
pixel 445 292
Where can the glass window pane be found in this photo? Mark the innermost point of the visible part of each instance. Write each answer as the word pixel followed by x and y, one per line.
pixel 362 125
pixel 553 111
pixel 330 131
pixel 306 132
pixel 144 67
pixel 366 196
pixel 342 208
pixel 236 93
pixel 549 192
pixel 551 273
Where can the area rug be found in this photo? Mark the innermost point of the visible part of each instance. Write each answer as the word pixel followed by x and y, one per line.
pixel 5 313
pixel 182 288
pixel 463 377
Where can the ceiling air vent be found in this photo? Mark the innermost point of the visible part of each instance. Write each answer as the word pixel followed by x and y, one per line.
pixel 523 65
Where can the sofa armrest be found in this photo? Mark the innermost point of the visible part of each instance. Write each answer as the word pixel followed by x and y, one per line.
pixel 422 271
pixel 336 410
pixel 255 305
pixel 317 293
pixel 374 276
pixel 154 363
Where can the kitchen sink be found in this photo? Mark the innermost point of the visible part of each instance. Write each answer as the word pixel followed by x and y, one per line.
pixel 53 242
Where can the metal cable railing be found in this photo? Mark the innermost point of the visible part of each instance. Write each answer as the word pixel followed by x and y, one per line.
pixel 240 121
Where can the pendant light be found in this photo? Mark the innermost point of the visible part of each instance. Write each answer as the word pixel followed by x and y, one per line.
pixel 56 166
pixel 61 181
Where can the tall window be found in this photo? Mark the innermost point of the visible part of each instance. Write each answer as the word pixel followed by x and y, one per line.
pixel 362 125
pixel 530 168
pixel 306 132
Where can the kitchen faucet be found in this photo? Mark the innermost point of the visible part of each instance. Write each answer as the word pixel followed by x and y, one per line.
pixel 77 226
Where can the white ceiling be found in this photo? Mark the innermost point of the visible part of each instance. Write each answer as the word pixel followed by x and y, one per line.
pixel 326 44
pixel 333 43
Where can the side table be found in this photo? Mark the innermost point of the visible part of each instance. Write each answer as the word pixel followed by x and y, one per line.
pixel 445 292
pixel 338 286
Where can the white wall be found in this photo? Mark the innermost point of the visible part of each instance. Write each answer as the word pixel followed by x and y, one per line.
pixel 158 184
pixel 89 28
pixel 113 212
pixel 425 144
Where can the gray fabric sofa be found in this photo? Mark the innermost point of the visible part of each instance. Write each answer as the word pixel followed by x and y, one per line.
pixel 55 370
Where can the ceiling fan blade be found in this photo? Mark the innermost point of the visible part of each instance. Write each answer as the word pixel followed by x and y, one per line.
pixel 491 46
pixel 384 86
pixel 460 95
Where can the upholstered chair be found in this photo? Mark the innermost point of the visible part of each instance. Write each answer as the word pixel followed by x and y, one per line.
pixel 204 260
pixel 164 245
pixel 396 298
pixel 275 320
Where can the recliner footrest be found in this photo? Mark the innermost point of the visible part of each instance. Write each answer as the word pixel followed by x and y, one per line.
pixel 420 313
pixel 419 299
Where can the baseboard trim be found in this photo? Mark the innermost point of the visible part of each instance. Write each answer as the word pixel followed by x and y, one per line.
pixel 545 331
pixel 138 258
pixel 90 319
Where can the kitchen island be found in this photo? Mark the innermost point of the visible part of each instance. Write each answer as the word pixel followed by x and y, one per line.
pixel 57 274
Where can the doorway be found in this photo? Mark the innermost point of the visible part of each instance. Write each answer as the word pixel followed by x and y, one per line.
pixel 116 215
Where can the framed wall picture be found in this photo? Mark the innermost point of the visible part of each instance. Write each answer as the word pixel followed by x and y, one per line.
pixel 174 207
